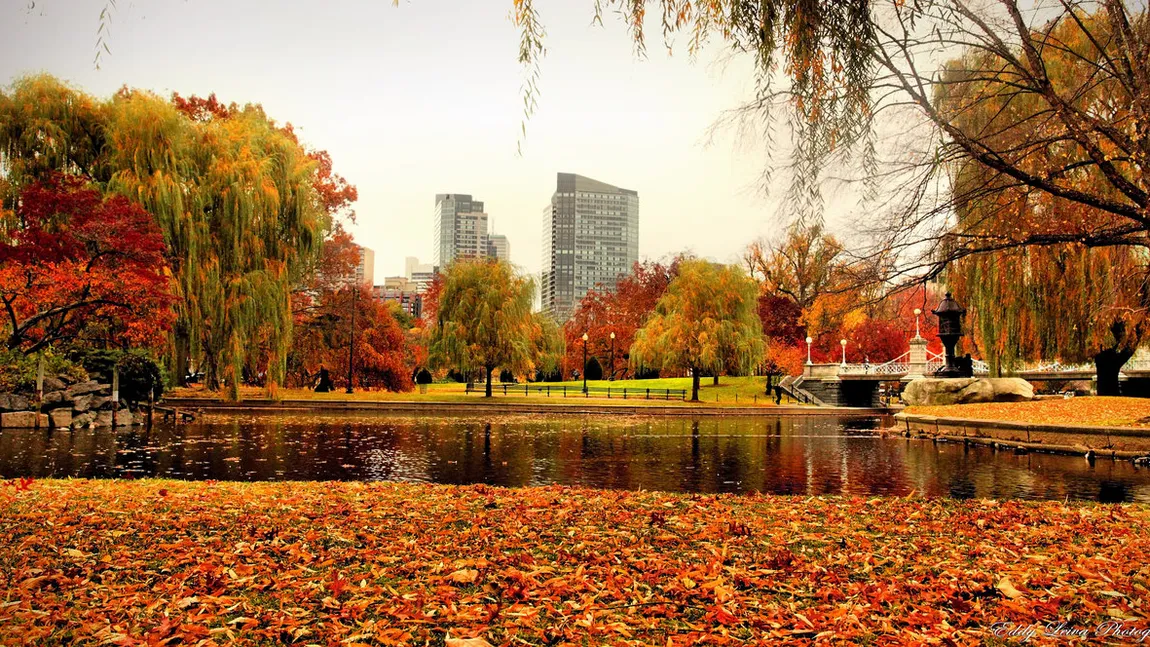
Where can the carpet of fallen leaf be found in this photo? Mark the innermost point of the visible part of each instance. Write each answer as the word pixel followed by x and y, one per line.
pixel 205 563
pixel 1103 411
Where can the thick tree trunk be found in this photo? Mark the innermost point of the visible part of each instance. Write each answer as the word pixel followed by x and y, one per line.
pixel 716 382
pixel 694 385
pixel 1107 365
pixel 489 370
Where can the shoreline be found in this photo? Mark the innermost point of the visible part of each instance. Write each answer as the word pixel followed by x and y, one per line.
pixel 1119 443
pixel 496 406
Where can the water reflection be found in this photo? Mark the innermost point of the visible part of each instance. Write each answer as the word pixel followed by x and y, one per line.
pixel 801 455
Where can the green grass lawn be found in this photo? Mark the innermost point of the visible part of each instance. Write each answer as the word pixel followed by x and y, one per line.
pixel 731 391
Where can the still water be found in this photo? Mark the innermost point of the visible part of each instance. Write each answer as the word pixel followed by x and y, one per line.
pixel 799 455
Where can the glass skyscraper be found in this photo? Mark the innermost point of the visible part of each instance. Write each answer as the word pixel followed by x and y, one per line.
pixel 590 240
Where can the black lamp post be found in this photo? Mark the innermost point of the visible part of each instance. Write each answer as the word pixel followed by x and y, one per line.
pixel 611 377
pixel 585 338
pixel 949 315
pixel 351 345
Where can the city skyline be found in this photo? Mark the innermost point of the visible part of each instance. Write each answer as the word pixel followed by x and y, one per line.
pixel 404 117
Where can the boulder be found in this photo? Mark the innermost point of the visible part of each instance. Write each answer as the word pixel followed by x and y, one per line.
pixel 13 402
pixel 55 400
pixel 101 402
pixel 102 418
pixel 54 384
pixel 81 421
pixel 942 391
pixel 60 418
pixel 82 403
pixel 23 420
pixel 91 386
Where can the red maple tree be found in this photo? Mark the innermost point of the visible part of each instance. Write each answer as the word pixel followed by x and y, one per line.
pixel 78 266
pixel 622 311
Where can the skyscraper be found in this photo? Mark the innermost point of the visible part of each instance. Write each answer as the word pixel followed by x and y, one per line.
pixel 590 239
pixel 460 228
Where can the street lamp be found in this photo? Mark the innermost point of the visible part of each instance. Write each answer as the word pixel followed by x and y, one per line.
pixel 611 377
pixel 917 312
pixel 809 340
pixel 843 343
pixel 585 338
pixel 351 346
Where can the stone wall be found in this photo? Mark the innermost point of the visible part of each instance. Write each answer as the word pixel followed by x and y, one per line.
pixel 79 405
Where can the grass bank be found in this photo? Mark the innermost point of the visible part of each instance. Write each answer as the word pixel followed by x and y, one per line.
pixel 1092 411
pixel 166 562
pixel 731 391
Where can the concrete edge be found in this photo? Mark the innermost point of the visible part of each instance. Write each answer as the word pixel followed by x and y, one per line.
pixel 512 407
pixel 1089 430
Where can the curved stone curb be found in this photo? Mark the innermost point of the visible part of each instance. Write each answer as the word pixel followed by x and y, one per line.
pixel 394 406
pixel 1118 442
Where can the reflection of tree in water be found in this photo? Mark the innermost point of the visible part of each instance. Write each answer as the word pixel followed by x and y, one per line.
pixel 790 455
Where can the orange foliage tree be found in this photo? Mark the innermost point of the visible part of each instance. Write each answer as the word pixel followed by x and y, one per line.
pixel 78 267
pixel 621 311
pixel 324 339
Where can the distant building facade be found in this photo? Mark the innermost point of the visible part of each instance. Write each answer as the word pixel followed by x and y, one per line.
pixel 590 239
pixel 460 228
pixel 365 270
pixel 402 291
pixel 498 247
pixel 423 274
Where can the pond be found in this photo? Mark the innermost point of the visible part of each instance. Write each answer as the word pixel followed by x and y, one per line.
pixel 783 455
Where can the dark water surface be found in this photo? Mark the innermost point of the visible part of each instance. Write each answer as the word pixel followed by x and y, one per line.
pixel 796 455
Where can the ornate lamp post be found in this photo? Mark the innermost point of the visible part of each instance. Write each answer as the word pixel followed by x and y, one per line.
pixel 949 315
pixel 809 340
pixel 611 377
pixel 585 338
pixel 843 343
pixel 917 312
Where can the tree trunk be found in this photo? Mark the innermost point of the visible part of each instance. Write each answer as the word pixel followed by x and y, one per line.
pixel 716 382
pixel 1107 365
pixel 489 370
pixel 694 385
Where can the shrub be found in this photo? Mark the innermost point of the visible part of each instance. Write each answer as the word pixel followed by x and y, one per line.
pixel 594 370
pixel 18 371
pixel 139 375
pixel 423 376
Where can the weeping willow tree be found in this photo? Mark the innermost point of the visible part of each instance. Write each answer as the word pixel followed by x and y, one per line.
pixel 484 321
pixel 1058 278
pixel 706 321
pixel 234 197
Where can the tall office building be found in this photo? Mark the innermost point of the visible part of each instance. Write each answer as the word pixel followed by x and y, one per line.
pixel 460 228
pixel 365 269
pixel 498 247
pixel 590 239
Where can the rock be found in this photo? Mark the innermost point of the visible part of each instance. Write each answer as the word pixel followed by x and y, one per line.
pixel 943 391
pixel 54 384
pixel 55 400
pixel 60 418
pixel 91 386
pixel 82 403
pixel 13 402
pixel 102 418
pixel 23 420
pixel 101 402
pixel 83 420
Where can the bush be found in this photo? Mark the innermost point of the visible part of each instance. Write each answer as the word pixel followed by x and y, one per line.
pixel 423 376
pixel 594 370
pixel 506 377
pixel 18 371
pixel 553 376
pixel 139 375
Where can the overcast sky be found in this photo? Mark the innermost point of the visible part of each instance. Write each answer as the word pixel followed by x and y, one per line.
pixel 426 98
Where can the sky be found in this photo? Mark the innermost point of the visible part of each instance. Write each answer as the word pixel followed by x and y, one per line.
pixel 426 98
